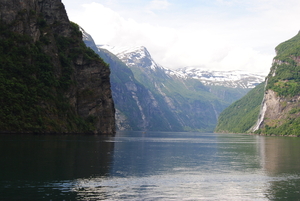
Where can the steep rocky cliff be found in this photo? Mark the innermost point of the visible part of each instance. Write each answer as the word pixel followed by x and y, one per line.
pixel 50 82
pixel 280 110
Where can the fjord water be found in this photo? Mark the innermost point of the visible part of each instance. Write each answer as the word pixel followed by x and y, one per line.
pixel 149 166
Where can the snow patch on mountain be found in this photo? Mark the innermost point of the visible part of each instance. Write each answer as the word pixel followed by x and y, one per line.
pixel 233 79
pixel 139 56
pixel 133 56
pixel 85 35
pixel 121 50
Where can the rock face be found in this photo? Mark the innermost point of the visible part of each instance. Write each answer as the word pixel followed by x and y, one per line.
pixel 277 111
pixel 51 11
pixel 277 105
pixel 280 109
pixel 67 84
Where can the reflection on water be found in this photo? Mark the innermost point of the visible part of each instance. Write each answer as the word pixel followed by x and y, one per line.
pixel 150 166
pixel 281 155
pixel 280 158
pixel 31 163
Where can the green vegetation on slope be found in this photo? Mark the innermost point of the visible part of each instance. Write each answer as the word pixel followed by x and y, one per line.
pixel 285 72
pixel 228 95
pixel 191 107
pixel 288 48
pixel 289 127
pixel 242 114
pixel 284 79
pixel 32 92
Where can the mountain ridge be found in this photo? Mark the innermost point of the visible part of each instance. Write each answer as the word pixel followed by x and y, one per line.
pixel 149 96
pixel 231 79
pixel 177 90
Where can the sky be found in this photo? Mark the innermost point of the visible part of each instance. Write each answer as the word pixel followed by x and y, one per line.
pixel 212 34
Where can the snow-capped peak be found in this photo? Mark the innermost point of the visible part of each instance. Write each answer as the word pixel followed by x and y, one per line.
pixel 122 49
pixel 233 79
pixel 85 35
pixel 132 56
pixel 140 57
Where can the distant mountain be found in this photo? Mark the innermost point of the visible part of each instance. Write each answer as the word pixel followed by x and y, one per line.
pixel 240 116
pixel 231 79
pixel 137 107
pixel 150 97
pixel 185 104
pixel 228 86
pixel 134 56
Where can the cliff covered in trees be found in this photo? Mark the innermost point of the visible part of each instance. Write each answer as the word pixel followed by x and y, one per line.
pixel 50 82
pixel 279 112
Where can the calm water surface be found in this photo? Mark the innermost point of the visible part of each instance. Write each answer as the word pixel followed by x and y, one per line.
pixel 149 166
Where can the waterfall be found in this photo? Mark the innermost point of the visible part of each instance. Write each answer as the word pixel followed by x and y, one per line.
pixel 262 111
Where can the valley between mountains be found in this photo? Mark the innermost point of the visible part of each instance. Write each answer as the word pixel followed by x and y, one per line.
pixel 52 82
pixel 148 96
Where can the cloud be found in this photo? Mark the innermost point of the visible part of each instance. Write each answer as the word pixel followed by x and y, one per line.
pixel 103 23
pixel 158 5
pixel 108 27
pixel 229 37
pixel 225 2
